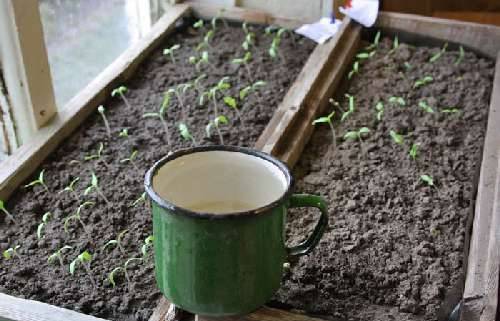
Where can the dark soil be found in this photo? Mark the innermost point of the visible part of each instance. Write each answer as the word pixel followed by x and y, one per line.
pixel 30 275
pixel 394 246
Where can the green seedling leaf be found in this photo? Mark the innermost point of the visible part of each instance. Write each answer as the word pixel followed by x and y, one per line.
pixel 111 276
pixel 414 151
pixel 101 111
pixel 140 199
pixel 148 242
pixel 397 138
pixel 230 101
pixel 397 100
pixel 198 24
pixel 354 70
pixel 39 181
pixel 422 104
pixel 356 134
pixel 57 255
pixel 97 155
pixel 379 107
pixel 438 55
pixel 4 210
pixel 423 81
pixel 11 252
pixel 460 55
pixel 450 110
pixel 123 133
pixel 407 65
pixel 375 42
pixel 45 219
pixel 427 179
pixel 121 90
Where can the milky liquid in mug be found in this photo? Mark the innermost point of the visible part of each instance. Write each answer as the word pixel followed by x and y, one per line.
pixel 221 207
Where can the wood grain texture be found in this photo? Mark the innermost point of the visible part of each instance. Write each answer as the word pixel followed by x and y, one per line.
pixel 207 11
pixel 471 35
pixel 14 309
pixel 263 314
pixel 481 285
pixel 20 165
pixel 291 126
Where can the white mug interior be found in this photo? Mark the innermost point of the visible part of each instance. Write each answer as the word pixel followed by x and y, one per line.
pixel 220 182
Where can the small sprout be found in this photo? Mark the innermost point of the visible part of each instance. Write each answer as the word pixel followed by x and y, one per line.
pixel 161 115
pixel 45 219
pixel 252 88
pixel 97 155
pixel 221 119
pixel 414 151
pixel 11 252
pixel 208 36
pixel 427 179
pixel 351 108
pixel 356 134
pixel 71 188
pixel 198 24
pixel 139 200
pixel 438 55
pixel 245 62
pixel 111 275
pixel 148 242
pixel 131 160
pixel 422 104
pixel 275 44
pixel 123 133
pixel 376 41
pixel 397 138
pixel 221 86
pixel 184 130
pixel 94 185
pixel 170 52
pixel 365 55
pixel 249 41
pixel 39 181
pixel 4 210
pixel 450 110
pixel 422 82
pixel 117 242
pixel 217 18
pixel 120 91
pixel 57 255
pixel 231 102
pixel 101 111
pixel 397 100
pixel 84 259
pixel 407 65
pixel 461 55
pixel 77 217
pixel 379 107
pixel 354 70
pixel 328 120
pixel 395 44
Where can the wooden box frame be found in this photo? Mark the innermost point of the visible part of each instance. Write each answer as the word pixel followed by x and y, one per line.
pixel 286 136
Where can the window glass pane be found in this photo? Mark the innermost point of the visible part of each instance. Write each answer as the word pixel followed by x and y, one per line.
pixel 84 36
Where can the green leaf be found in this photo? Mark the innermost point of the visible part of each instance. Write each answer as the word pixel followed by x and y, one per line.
pixel 85 256
pixel 146 115
pixel 414 151
pixel 46 217
pixel 352 135
pixel 119 91
pixel 397 138
pixel 425 107
pixel 39 230
pixel 94 180
pixel 230 101
pixel 72 266
pixel 198 24
pixel 427 179
pixel 407 65
pixel 185 131
pixel 321 120
pixel 110 243
pixel 395 44
pixel 363 130
pixel 7 254
pixel 379 106
pixel 460 55
pixel 377 38
pixel 397 100
pixel 221 119
pixel 111 276
pixel 450 110
pixel 363 55
pixel 244 92
pixel 131 260
pixel 208 129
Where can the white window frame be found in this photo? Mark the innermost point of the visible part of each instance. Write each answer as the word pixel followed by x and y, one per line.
pixel 28 102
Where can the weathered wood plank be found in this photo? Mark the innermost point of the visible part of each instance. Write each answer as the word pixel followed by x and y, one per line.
pixel 207 11
pixel 473 35
pixel 481 285
pixel 263 314
pixel 21 164
pixel 15 309
pixel 290 127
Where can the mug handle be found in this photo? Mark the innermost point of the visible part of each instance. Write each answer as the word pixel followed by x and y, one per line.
pixel 307 200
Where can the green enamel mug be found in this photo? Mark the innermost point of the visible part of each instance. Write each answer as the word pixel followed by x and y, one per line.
pixel 219 216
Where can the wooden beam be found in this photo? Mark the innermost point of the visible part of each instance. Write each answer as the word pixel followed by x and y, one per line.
pixel 472 35
pixel 480 297
pixel 25 66
pixel 206 11
pixel 290 128
pixel 263 314
pixel 21 164
pixel 15 309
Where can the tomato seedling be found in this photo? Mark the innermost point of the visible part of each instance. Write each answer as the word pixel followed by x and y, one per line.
pixel 45 219
pixel 39 181
pixel 94 185
pixel 102 111
pixel 7 213
pixel 84 259
pixel 116 242
pixel 120 91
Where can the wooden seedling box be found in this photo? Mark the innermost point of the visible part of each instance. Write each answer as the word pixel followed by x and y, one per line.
pixel 285 137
